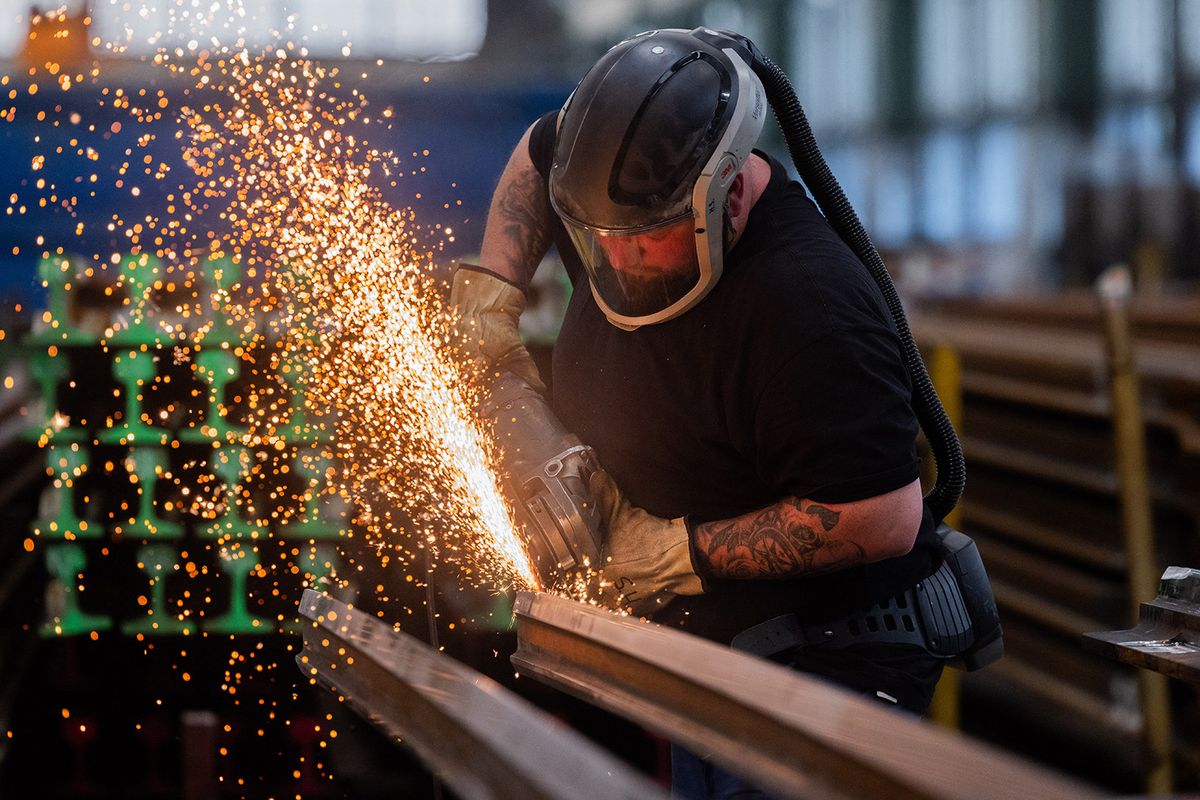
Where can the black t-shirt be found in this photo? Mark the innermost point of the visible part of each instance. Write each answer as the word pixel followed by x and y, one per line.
pixel 786 379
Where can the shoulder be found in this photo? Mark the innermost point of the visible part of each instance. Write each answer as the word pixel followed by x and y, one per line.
pixel 805 290
pixel 542 134
pixel 791 269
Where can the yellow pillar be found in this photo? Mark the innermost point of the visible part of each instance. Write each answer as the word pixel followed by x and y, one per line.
pixel 945 370
pixel 1129 438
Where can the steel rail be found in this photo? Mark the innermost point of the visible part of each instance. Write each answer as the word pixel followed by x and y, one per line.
pixel 1167 636
pixel 779 729
pixel 476 736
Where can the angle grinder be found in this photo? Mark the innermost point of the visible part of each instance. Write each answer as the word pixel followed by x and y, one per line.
pixel 546 472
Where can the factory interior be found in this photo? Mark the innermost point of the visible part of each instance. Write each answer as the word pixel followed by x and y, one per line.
pixel 237 559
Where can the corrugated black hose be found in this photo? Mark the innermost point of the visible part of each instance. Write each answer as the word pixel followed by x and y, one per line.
pixel 947 452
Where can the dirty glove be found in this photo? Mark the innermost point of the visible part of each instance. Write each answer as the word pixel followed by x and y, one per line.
pixel 646 559
pixel 490 308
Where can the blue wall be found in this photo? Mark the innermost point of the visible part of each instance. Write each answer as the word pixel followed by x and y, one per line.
pixel 468 131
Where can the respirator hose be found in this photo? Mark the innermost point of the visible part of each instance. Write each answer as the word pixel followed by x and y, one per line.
pixel 947 452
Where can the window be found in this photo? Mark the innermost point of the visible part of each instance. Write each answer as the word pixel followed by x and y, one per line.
pixel 1189 29
pixel 1010 54
pixel 1135 141
pixel 1136 46
pixel 943 186
pixel 998 193
pixel 1192 146
pixel 834 68
pixel 416 29
pixel 976 55
pixel 14 21
pixel 893 198
pixel 948 62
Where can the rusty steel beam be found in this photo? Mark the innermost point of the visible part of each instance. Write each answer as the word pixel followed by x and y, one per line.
pixel 476 736
pixel 781 730
pixel 1167 637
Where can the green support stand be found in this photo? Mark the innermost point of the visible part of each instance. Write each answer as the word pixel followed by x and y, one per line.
pixel 317 562
pixel 149 463
pixel 138 273
pixel 134 370
pixel 157 561
pixel 500 618
pixel 68 463
pixel 300 428
pixel 313 521
pixel 229 465
pixel 49 372
pixel 224 274
pixel 216 367
pixel 55 275
pixel 239 561
pixel 66 562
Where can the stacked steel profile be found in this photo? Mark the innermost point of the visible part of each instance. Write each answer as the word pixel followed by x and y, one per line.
pixel 176 531
pixel 167 458
pixel 1045 505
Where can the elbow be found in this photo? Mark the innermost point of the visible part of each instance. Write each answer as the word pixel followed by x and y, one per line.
pixel 897 533
pixel 898 542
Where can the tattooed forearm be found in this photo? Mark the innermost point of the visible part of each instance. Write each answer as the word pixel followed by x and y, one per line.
pixel 519 221
pixel 789 539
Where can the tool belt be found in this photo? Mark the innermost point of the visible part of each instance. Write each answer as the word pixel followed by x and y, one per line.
pixel 951 614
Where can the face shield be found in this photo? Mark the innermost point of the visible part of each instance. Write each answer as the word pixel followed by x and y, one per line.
pixel 647 148
pixel 642 272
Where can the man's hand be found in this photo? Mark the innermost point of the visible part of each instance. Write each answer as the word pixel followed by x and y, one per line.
pixel 647 559
pixel 489 310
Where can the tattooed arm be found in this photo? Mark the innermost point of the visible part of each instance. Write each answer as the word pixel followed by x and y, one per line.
pixel 517 233
pixel 487 299
pixel 801 537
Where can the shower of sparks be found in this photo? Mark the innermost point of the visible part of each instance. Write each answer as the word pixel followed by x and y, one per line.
pixel 334 278
pixel 358 309
pixel 277 340
pixel 347 284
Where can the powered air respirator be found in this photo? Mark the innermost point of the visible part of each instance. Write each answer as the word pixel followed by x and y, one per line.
pixel 548 468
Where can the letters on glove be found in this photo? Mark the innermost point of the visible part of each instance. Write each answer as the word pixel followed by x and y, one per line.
pixel 647 560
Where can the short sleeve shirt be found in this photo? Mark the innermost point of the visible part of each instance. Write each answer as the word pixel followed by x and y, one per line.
pixel 786 380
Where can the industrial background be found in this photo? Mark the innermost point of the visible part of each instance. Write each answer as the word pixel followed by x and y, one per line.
pixel 1003 154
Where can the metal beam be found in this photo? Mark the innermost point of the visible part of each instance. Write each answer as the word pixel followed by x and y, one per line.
pixel 476 736
pixel 779 729
pixel 1167 637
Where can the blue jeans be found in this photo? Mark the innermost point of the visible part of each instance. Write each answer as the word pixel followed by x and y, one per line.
pixel 900 676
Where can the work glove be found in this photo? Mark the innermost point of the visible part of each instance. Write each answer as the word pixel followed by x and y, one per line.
pixel 489 309
pixel 646 560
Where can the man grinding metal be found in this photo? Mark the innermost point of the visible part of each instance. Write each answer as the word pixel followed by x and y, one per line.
pixel 731 361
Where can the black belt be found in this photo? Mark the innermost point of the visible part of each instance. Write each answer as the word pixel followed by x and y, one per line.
pixel 930 615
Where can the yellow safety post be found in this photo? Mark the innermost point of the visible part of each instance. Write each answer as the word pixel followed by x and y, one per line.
pixel 1114 289
pixel 945 370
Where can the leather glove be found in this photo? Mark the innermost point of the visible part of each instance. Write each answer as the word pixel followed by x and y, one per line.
pixel 647 560
pixel 489 310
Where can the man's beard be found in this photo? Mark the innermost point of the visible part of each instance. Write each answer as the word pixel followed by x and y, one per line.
pixel 647 294
pixel 643 294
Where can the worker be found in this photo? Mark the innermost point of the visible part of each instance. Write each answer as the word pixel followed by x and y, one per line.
pixel 731 362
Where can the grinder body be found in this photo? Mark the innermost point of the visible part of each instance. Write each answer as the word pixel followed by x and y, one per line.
pixel 546 471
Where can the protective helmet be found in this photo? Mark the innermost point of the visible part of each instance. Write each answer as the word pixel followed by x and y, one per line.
pixel 648 145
